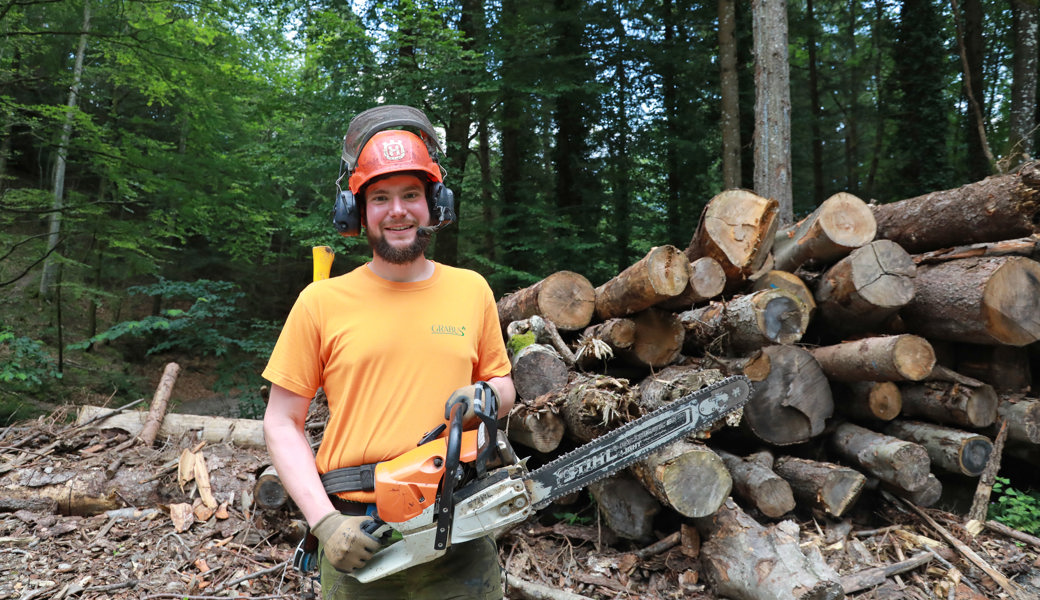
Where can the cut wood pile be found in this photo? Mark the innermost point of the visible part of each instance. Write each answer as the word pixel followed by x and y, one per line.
pixel 891 350
pixel 888 346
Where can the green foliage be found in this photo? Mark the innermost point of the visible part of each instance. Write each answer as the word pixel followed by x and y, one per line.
pixel 1017 509
pixel 25 364
pixel 572 518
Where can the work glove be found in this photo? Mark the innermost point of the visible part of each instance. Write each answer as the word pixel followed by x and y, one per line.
pixel 478 399
pixel 344 542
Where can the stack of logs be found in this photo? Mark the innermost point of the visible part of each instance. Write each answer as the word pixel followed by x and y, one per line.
pixel 887 345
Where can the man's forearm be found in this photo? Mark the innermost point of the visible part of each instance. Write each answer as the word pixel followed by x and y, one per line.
pixel 506 393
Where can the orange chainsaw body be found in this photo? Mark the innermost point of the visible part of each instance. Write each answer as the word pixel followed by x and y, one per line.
pixel 407 485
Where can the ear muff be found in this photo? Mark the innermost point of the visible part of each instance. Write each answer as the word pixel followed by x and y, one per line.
pixel 346 214
pixel 442 203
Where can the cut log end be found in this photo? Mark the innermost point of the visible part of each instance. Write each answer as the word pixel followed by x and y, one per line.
pixel 914 357
pixel 1010 309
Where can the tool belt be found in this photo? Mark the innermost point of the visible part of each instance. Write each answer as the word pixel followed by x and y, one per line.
pixel 350 479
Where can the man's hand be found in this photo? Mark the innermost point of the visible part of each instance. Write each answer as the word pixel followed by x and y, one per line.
pixel 345 544
pixel 476 398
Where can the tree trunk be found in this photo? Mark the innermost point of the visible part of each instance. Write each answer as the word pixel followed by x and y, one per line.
pixel 745 323
pixel 951 403
pixel 671 383
pixel 537 370
pixel 736 229
pixel 884 358
pixel 50 266
pixel 772 106
pixel 791 400
pixel 950 449
pixel 565 298
pixel 826 486
pixel 706 280
pixel 903 464
pixel 866 287
pixel 997 208
pixel 745 561
pixel 729 91
pixel 1006 368
pixel 868 400
pixel 837 227
pixel 688 477
pixel 662 274
pixel 157 410
pixel 1028 247
pixel 1025 16
pixel 658 341
pixel 755 483
pixel 986 300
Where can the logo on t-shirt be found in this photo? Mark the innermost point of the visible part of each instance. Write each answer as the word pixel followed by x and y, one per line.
pixel 448 330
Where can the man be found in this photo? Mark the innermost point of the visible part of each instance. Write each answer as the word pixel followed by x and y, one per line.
pixel 390 342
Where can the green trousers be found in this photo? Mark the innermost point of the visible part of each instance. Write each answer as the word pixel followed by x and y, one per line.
pixel 467 571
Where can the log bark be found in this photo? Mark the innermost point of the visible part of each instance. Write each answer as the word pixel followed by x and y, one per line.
pixel 690 478
pixel 837 227
pixel 157 410
pixel 950 449
pixel 901 463
pixel 626 506
pixel 658 341
pixel 788 282
pixel 566 298
pixel 241 432
pixel 538 370
pixel 745 323
pixel 745 561
pixel 737 229
pixel 980 501
pixel 792 398
pixel 867 287
pixel 662 274
pixel 883 358
pixel 868 400
pixel 987 300
pixel 996 208
pixel 706 280
pixel 602 341
pixel 755 482
pixel 950 403
pixel 826 486
pixel 1022 418
pixel 268 492
pixel 873 577
pixel 1028 247
pixel 927 496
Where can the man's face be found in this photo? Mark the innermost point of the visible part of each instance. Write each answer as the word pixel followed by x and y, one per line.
pixel 395 207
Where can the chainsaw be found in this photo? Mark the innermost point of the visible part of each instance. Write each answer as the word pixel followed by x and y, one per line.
pixel 470 484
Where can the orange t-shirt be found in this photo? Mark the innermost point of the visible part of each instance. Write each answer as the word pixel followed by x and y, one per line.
pixel 388 355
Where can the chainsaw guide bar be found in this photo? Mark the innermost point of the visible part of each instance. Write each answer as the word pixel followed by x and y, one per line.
pixel 634 441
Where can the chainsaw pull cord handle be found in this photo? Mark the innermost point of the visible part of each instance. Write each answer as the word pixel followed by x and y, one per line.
pixel 446 496
pixel 485 406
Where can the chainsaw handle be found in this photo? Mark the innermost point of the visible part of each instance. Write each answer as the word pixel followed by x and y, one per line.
pixel 446 497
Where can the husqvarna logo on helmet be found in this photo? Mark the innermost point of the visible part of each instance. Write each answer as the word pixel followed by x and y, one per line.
pixel 393 150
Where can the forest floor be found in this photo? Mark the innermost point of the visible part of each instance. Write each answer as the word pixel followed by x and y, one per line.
pixel 157 536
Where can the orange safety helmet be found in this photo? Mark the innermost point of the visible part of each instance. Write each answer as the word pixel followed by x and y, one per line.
pixel 389 152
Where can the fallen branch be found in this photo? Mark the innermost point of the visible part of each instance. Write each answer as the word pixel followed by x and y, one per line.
pixel 662 545
pixel 1013 533
pixel 529 590
pixel 1005 583
pixel 875 576
pixel 980 502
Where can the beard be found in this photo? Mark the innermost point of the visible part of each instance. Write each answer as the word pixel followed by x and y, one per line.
pixel 396 255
